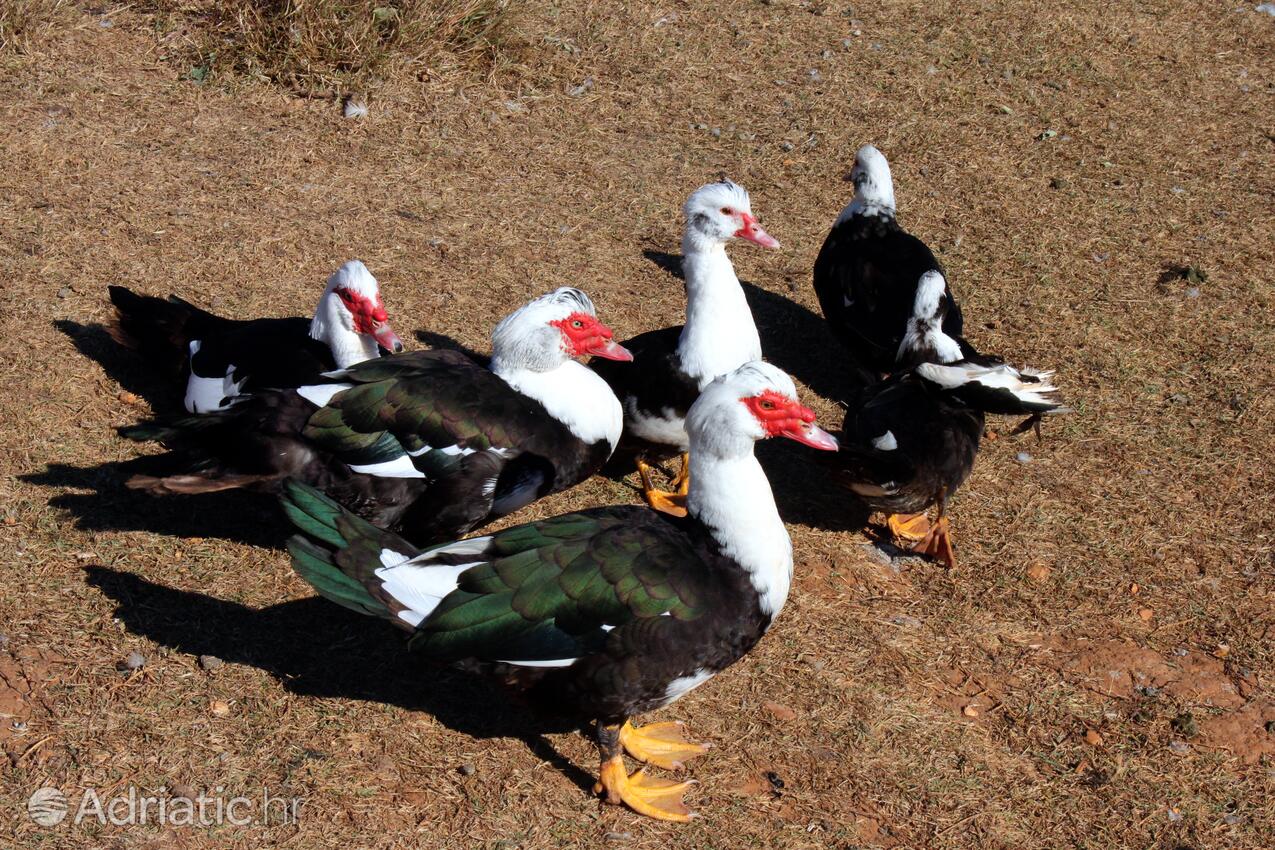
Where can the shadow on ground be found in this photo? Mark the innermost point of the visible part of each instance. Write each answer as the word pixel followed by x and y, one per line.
pixel 163 392
pixel 238 515
pixel 317 649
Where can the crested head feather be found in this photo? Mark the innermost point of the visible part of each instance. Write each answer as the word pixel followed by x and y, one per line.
pixel 525 339
pixel 355 277
pixel 714 196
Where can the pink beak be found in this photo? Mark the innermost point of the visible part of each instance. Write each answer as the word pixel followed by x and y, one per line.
pixel 610 350
pixel 386 338
pixel 809 434
pixel 753 233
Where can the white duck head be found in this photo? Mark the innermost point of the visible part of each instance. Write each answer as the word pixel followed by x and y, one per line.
pixel 550 330
pixel 755 402
pixel 873 186
pixel 719 212
pixel 351 317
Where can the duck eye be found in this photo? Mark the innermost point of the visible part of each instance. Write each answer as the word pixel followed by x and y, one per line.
pixel 577 324
pixel 727 211
pixel 767 405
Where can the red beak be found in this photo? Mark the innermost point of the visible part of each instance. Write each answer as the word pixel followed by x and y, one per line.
pixel 386 338
pixel 610 350
pixel 753 233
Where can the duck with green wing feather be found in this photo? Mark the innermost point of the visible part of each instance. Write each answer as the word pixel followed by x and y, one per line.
pixel 603 614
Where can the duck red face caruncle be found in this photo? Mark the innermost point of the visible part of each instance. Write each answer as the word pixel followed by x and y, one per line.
pixel 585 336
pixel 370 318
pixel 781 416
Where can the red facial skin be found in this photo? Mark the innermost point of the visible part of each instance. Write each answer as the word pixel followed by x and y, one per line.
pixel 586 337
pixel 370 318
pixel 782 416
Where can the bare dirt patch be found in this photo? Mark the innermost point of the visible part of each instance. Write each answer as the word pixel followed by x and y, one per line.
pixel 26 676
pixel 1123 669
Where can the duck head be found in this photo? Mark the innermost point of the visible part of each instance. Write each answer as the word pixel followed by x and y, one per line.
pixel 873 186
pixel 351 317
pixel 550 330
pixel 755 402
pixel 719 212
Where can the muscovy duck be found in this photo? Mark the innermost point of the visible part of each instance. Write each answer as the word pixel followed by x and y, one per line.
pixel 909 442
pixel 867 271
pixel 221 359
pixel 429 442
pixel 602 614
pixel 672 365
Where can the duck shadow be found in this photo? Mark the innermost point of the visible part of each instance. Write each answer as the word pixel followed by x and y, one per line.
pixel 805 491
pixel 315 648
pixel 241 516
pixel 793 337
pixel 123 366
pixel 437 340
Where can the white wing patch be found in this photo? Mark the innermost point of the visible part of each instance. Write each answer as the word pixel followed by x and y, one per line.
pixel 320 394
pixel 419 588
pixel 204 394
pixel 208 394
pixel 390 558
pixel 553 662
pixel 886 442
pixel 683 685
pixel 666 429
pixel 1002 377
pixel 472 546
pixel 450 451
pixel 399 467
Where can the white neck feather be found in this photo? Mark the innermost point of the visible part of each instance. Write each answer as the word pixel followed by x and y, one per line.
pixel 932 337
pixel 719 335
pixel 874 192
pixel 731 495
pixel 573 394
pixel 332 324
pixel 859 207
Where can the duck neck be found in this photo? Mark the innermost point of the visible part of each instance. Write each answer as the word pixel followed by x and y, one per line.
pixel 925 341
pixel 868 206
pixel 719 334
pixel 730 494
pixel 330 325
pixel 571 393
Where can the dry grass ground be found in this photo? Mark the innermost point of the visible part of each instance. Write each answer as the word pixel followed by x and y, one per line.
pixel 1098 673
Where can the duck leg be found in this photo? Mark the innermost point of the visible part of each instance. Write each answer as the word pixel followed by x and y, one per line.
pixel 673 504
pixel 937 542
pixel 646 795
pixel 911 527
pixel 660 744
pixel 682 481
